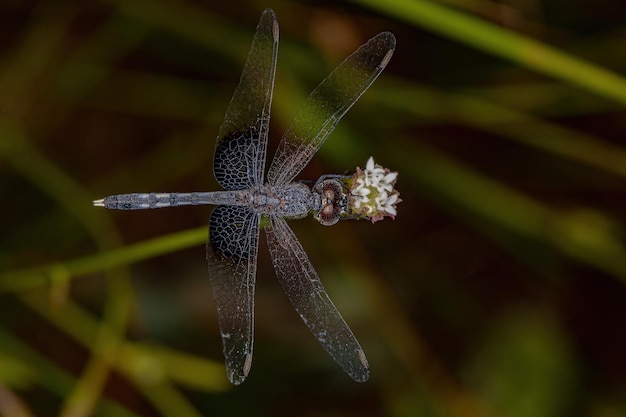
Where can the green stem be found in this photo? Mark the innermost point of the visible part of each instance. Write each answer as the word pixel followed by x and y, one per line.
pixel 505 44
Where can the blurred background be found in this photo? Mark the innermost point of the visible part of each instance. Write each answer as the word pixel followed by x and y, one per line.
pixel 497 291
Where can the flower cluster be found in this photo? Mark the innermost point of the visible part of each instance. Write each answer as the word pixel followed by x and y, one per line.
pixel 372 192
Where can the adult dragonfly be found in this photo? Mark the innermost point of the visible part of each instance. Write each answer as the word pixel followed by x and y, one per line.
pixel 239 165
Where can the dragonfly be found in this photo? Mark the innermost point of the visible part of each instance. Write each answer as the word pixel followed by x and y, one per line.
pixel 235 222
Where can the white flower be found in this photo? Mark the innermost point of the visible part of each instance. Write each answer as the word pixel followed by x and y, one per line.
pixel 373 193
pixel 388 204
pixel 361 199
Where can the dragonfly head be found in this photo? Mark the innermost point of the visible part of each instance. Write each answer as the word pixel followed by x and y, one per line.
pixel 334 201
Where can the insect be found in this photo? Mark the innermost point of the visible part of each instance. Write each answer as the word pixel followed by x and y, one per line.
pixel 235 223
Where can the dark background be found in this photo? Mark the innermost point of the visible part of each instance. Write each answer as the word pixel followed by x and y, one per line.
pixel 497 291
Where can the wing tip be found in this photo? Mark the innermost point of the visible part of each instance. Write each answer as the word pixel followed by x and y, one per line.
pixel 268 16
pixel 361 374
pixel 390 39
pixel 236 375
pixel 387 38
pixel 269 11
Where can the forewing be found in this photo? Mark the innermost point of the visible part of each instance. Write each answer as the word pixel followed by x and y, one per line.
pixel 232 256
pixel 241 146
pixel 306 293
pixel 326 105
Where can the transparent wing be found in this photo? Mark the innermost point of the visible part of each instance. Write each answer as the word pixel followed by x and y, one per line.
pixel 232 256
pixel 241 145
pixel 326 105
pixel 306 293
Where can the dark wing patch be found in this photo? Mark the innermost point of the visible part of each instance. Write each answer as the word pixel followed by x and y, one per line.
pixel 235 154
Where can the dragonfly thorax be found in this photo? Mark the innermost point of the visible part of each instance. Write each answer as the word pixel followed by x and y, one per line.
pixel 294 200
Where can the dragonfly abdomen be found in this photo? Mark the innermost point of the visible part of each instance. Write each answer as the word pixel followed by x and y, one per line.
pixel 141 201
